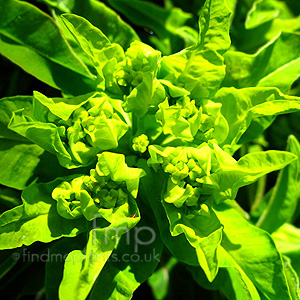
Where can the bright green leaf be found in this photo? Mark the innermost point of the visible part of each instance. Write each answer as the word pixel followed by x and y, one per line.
pixel 285 194
pixel 255 252
pixel 18 162
pixel 31 46
pixel 36 219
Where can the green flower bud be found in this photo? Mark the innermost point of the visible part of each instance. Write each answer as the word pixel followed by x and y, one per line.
pixel 66 195
pixel 193 199
pixel 196 172
pixel 123 77
pixel 80 114
pixel 170 169
pixel 193 175
pixel 180 166
pixel 108 198
pixel 89 124
pixel 88 182
pixel 137 78
pixel 140 143
pixel 204 211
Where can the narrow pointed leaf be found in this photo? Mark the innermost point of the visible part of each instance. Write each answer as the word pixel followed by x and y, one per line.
pixel 285 195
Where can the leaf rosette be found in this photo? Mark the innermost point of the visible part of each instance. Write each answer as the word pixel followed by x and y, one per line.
pixel 111 185
pixel 206 173
pixel 136 75
pixel 75 131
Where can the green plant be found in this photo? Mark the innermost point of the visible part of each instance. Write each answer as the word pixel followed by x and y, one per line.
pixel 139 143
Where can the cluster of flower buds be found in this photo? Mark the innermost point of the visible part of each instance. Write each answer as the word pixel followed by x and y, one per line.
pixel 104 191
pixel 140 143
pixel 190 169
pixel 108 186
pixel 184 120
pixel 92 128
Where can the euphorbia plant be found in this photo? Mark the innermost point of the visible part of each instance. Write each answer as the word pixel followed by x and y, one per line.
pixel 138 138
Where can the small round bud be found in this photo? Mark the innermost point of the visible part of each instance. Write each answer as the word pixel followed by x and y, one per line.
pixel 140 143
